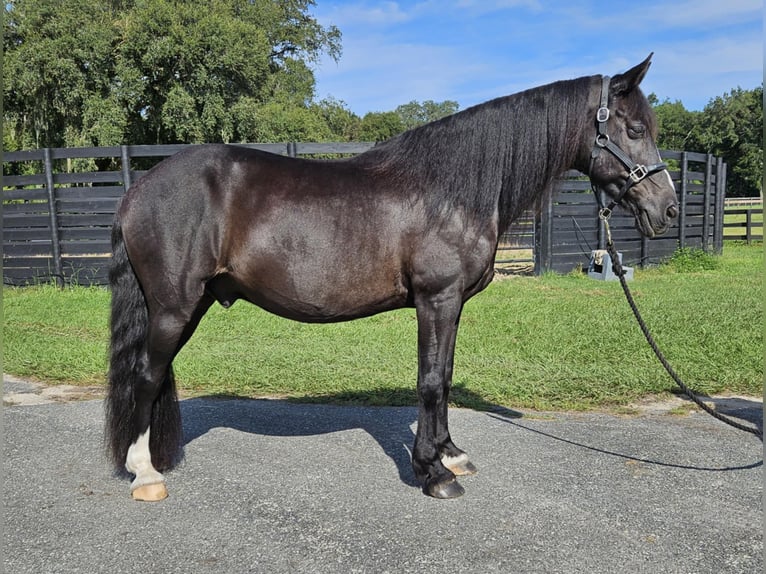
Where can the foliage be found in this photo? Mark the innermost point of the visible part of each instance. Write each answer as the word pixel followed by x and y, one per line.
pixel 733 129
pixel 690 260
pixel 679 128
pixel 100 72
pixel 730 126
pixel 380 126
pixel 527 342
pixel 342 122
pixel 56 58
pixel 415 114
pixel 280 122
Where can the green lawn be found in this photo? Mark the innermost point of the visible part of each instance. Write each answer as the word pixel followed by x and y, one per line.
pixel 554 342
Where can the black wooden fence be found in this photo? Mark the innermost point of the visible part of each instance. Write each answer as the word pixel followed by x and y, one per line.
pixel 749 230
pixel 58 206
pixel 569 227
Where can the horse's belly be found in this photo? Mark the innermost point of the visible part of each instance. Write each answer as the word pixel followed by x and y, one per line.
pixel 311 293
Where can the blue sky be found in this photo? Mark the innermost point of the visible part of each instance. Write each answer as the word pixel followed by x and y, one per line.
pixel 471 51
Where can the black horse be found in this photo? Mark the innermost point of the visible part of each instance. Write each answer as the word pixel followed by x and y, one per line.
pixel 413 222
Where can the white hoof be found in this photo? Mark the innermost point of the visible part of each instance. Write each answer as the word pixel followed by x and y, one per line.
pixel 459 465
pixel 150 492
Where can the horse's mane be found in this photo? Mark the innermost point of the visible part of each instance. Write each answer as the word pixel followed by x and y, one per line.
pixel 499 155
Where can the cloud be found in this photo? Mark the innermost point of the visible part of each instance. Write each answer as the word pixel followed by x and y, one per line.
pixel 378 75
pixel 366 13
pixel 471 50
pixel 710 14
pixel 486 6
pixel 697 70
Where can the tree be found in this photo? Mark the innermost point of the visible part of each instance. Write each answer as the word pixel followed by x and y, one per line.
pixel 679 129
pixel 415 114
pixel 732 129
pixel 280 122
pixel 154 71
pixel 380 126
pixel 57 57
pixel 730 126
pixel 344 124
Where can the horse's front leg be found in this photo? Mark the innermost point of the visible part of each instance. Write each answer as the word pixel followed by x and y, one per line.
pixel 452 457
pixel 438 317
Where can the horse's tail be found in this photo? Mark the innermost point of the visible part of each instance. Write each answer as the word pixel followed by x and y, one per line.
pixel 128 369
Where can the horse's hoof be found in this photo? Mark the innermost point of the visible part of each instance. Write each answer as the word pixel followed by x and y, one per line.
pixel 449 489
pixel 150 492
pixel 459 465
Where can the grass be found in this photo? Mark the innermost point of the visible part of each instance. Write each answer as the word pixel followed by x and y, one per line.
pixel 554 342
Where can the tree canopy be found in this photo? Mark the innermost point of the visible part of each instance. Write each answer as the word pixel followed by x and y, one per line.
pixel 730 126
pixel 101 72
pixel 106 72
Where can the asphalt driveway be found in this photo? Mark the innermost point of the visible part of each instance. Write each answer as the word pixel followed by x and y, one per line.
pixel 272 486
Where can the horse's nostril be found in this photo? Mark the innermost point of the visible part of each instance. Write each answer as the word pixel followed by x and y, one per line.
pixel 672 211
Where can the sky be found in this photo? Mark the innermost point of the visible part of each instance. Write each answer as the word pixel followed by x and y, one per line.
pixel 471 51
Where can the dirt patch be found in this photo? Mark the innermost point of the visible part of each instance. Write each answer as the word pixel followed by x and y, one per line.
pixel 23 392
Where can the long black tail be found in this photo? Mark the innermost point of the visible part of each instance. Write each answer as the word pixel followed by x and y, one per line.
pixel 128 369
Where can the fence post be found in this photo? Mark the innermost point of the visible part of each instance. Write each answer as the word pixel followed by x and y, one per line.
pixel 53 218
pixel 544 238
pixel 720 199
pixel 682 206
pixel 644 251
pixel 536 245
pixel 125 160
pixel 707 243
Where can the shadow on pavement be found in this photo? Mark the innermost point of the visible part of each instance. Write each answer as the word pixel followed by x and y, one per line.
pixel 736 407
pixel 392 429
pixel 741 408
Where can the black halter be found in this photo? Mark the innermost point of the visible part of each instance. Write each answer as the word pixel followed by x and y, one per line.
pixel 636 172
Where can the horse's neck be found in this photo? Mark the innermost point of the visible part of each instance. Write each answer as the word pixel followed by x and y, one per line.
pixel 495 159
pixel 545 143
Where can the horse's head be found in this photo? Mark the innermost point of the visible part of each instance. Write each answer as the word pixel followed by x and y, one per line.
pixel 623 156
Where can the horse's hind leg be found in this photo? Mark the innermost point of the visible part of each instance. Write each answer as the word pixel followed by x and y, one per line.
pixel 157 419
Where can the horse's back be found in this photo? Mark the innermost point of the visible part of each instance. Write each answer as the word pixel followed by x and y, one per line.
pixel 310 240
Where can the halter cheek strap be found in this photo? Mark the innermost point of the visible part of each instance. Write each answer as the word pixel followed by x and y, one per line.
pixel 636 172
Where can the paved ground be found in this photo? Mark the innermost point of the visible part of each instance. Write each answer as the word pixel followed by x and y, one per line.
pixel 269 486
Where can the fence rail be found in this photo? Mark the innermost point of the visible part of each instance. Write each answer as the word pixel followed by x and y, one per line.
pixel 748 230
pixel 744 202
pixel 58 206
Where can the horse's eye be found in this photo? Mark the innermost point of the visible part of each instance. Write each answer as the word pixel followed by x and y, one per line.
pixel 636 131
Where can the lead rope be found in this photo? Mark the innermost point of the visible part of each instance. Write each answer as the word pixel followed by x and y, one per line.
pixel 604 215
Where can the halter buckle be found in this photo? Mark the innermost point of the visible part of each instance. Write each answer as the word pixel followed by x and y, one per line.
pixel 602 140
pixel 638 173
pixel 602 115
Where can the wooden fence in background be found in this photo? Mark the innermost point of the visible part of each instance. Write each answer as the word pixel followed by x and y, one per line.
pixel 58 206
pixel 569 227
pixel 744 222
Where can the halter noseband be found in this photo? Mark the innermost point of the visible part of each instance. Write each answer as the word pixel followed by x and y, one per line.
pixel 636 172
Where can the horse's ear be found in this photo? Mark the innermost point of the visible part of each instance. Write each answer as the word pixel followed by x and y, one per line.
pixel 625 83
